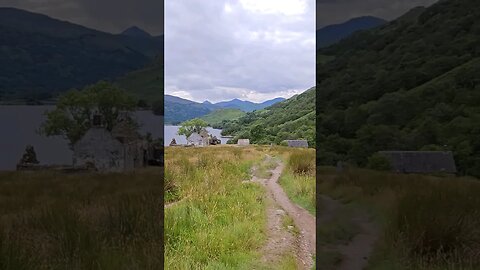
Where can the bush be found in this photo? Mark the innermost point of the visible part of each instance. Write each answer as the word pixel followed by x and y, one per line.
pixel 379 163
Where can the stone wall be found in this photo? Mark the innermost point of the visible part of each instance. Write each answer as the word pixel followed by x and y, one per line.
pixel 98 148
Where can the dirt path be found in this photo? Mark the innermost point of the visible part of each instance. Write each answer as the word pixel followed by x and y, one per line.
pixel 278 205
pixel 355 253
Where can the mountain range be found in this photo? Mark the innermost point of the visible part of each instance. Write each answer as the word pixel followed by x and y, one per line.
pixel 331 34
pixel 178 109
pixel 42 56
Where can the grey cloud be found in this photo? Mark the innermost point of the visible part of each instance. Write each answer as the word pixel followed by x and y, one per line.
pixel 337 11
pixel 214 55
pixel 106 15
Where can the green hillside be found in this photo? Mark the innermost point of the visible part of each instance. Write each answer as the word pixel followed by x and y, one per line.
pixel 178 110
pixel 216 118
pixel 293 118
pixel 145 84
pixel 409 85
pixel 42 57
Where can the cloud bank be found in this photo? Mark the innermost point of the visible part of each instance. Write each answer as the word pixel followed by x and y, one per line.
pixel 252 50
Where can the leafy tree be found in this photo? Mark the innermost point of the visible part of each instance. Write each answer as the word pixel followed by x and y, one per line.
pixel 74 112
pixel 187 128
pixel 257 133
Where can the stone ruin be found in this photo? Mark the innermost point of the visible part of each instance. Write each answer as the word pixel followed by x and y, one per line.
pixel 29 157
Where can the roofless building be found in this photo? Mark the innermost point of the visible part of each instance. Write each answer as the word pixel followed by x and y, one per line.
pixel 421 161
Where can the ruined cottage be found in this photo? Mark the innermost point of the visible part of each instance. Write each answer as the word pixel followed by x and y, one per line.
pixel 243 142
pixel 296 143
pixel 120 150
pixel 421 161
pixel 198 139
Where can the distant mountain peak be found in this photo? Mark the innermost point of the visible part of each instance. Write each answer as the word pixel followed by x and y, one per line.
pixel 178 109
pixel 135 31
pixel 331 34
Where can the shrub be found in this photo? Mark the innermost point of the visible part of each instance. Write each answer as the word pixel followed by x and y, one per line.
pixel 379 163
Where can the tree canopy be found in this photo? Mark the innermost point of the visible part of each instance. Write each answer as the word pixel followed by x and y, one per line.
pixel 75 110
pixel 189 127
pixel 291 119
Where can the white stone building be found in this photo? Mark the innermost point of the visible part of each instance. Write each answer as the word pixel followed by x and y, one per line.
pixel 243 142
pixel 117 151
pixel 198 139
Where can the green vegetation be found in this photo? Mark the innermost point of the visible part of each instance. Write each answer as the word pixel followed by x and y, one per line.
pixel 426 222
pixel 218 222
pixel 214 219
pixel 412 84
pixel 178 109
pixel 287 120
pixel 75 110
pixel 90 221
pixel 379 162
pixel 298 179
pixel 189 127
pixel 145 84
pixel 217 119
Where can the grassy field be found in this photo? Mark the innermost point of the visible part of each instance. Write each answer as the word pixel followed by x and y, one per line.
pixel 427 222
pixel 213 219
pixel 85 221
pixel 298 179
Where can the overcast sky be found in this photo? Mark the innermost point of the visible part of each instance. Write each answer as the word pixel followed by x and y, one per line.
pixel 111 16
pixel 248 49
pixel 338 11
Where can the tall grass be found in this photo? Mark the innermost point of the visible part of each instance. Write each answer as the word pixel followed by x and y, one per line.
pixel 87 221
pixel 302 161
pixel 219 222
pixel 429 222
pixel 298 179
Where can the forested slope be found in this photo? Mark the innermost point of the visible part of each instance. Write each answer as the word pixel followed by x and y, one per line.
pixel 409 85
pixel 293 118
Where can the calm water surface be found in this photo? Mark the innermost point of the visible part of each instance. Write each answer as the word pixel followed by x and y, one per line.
pixel 19 125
